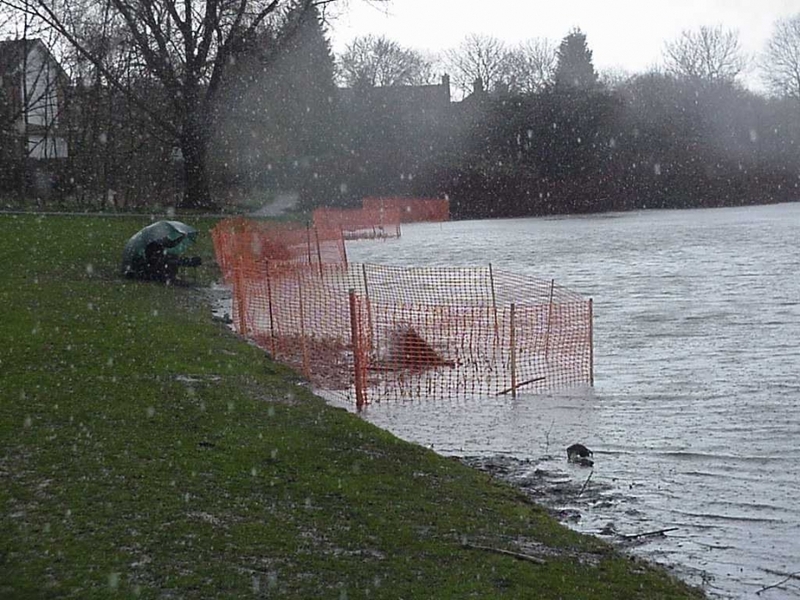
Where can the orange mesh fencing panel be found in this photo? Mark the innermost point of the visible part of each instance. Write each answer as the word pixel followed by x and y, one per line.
pixel 360 223
pixel 374 332
pixel 412 210
pixel 263 243
pixel 302 317
pixel 444 333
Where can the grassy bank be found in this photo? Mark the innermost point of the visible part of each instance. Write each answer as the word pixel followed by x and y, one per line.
pixel 147 452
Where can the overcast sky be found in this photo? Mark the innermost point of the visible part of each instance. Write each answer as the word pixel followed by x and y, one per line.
pixel 621 33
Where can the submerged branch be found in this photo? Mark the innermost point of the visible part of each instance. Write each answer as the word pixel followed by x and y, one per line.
pixel 585 483
pixel 795 575
pixel 519 385
pixel 633 536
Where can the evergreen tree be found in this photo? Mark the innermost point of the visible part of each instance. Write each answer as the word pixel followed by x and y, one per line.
pixel 575 68
pixel 306 92
pixel 280 108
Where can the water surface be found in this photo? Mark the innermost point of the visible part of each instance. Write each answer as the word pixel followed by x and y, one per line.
pixel 696 405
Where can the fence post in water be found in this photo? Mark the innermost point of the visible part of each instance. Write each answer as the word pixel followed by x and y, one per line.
pixel 513 353
pixel 356 343
pixel 308 241
pixel 319 251
pixel 271 312
pixel 306 370
pixel 549 320
pixel 369 303
pixel 494 307
pixel 591 343
pixel 344 246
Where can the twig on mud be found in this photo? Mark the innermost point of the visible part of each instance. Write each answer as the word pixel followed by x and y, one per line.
pixel 633 536
pixel 547 437
pixel 585 483
pixel 780 583
pixel 528 557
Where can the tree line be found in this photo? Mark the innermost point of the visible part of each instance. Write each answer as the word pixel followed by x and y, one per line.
pixel 551 135
pixel 202 103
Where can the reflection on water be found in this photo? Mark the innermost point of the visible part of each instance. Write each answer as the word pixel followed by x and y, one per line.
pixel 696 407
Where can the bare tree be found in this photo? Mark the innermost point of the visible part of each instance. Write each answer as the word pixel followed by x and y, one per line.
pixel 478 58
pixel 118 155
pixel 6 20
pixel 186 46
pixel 532 65
pixel 707 54
pixel 780 62
pixel 614 78
pixel 377 61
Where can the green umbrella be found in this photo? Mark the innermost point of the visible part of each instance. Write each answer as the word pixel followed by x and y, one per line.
pixel 173 236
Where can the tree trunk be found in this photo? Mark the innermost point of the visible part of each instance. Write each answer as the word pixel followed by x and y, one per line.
pixel 194 146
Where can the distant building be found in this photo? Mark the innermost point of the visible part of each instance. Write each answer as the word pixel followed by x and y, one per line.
pixel 394 134
pixel 381 141
pixel 32 85
pixel 420 99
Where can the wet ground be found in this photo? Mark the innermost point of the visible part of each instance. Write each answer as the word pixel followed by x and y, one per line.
pixel 569 493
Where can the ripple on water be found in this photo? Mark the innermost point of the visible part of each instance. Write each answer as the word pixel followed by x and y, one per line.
pixel 696 412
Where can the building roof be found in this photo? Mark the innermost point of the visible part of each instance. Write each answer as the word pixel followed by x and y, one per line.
pixel 12 53
pixel 430 97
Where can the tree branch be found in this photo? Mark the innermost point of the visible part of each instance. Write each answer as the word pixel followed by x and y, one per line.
pixel 528 557
pixel 42 11
pixel 779 584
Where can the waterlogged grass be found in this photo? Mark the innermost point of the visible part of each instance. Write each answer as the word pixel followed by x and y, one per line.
pixel 146 452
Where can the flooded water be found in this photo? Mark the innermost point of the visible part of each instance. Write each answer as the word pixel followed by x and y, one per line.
pixel 696 405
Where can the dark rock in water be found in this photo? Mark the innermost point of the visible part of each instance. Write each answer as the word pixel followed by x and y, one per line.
pixel 578 451
pixel 608 529
pixel 585 462
pixel 569 515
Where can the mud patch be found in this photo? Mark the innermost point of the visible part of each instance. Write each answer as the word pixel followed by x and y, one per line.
pixel 570 498
pixel 573 497
pixel 561 494
pixel 219 297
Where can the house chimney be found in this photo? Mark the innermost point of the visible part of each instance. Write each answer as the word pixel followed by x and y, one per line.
pixel 446 86
pixel 477 86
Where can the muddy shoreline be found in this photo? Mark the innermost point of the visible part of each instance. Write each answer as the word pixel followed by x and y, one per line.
pixel 576 499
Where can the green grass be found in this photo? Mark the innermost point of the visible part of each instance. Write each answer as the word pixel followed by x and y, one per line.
pixel 147 452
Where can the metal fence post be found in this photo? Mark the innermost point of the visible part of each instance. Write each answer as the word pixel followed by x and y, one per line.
pixel 513 353
pixel 319 251
pixel 591 342
pixel 303 343
pixel 494 307
pixel 271 312
pixel 239 297
pixel 549 321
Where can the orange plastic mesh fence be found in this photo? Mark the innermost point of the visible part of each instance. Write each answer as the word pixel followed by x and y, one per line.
pixel 373 332
pixel 412 210
pixel 360 223
pixel 281 245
